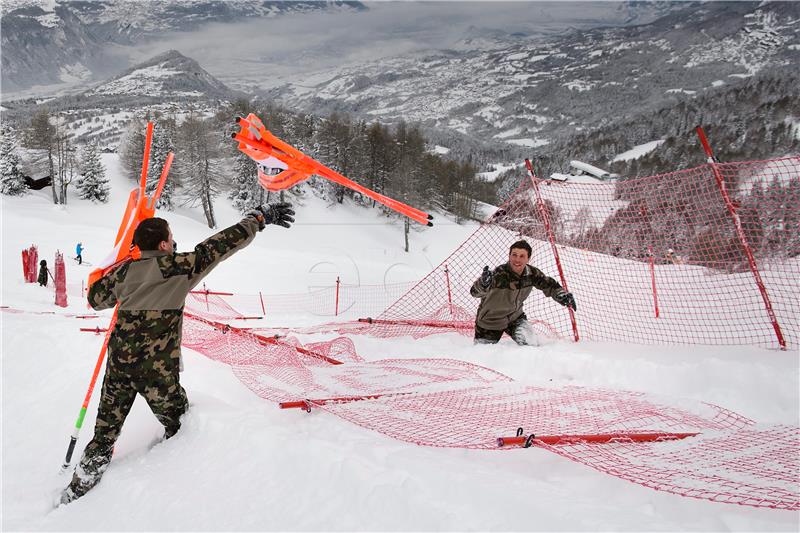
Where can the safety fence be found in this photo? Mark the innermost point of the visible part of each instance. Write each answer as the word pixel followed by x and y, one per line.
pixel 709 255
pixel 692 449
pixel 336 301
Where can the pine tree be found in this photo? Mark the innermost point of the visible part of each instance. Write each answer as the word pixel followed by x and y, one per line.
pixel 131 149
pixel 246 193
pixel 163 144
pixel 93 185
pixel 12 182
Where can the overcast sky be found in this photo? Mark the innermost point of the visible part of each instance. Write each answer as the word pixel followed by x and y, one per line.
pixel 266 51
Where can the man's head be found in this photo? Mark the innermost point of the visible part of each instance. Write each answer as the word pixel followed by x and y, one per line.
pixel 153 234
pixel 519 255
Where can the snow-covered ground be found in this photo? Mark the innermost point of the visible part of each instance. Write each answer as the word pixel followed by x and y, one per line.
pixel 240 463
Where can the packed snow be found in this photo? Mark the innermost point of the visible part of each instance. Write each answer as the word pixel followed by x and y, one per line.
pixel 638 151
pixel 240 463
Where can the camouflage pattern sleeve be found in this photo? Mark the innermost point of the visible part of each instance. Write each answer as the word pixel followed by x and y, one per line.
pixel 541 281
pixel 102 294
pixel 219 247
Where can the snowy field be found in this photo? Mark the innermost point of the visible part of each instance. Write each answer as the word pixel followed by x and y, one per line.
pixel 240 463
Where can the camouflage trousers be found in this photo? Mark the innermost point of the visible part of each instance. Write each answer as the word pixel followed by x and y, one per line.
pixel 158 383
pixel 520 330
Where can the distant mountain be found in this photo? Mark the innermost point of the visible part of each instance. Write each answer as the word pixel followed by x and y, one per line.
pixel 167 76
pixel 534 91
pixel 167 83
pixel 55 41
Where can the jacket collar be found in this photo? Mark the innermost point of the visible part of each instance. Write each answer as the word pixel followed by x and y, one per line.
pixel 514 274
pixel 147 254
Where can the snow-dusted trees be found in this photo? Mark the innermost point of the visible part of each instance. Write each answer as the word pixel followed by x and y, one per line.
pixel 200 167
pixel 42 136
pixel 12 181
pixel 164 133
pixel 93 184
pixel 132 151
pixel 245 191
pixel 131 148
pixel 49 136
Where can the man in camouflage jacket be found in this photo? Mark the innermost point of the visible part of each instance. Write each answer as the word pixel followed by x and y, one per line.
pixel 503 292
pixel 144 348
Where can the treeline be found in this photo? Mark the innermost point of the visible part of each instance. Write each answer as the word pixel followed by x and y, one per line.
pixel 55 154
pixel 395 161
pixel 754 120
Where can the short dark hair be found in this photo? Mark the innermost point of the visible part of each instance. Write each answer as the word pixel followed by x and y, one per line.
pixel 522 245
pixel 150 233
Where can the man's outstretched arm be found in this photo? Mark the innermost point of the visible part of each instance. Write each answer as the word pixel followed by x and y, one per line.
pixel 212 251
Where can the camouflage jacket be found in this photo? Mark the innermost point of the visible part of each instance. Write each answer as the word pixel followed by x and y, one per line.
pixel 502 302
pixel 151 293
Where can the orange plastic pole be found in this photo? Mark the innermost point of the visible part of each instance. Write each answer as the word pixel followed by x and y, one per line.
pixel 148 139
pixel 82 414
pixel 268 144
pixel 161 181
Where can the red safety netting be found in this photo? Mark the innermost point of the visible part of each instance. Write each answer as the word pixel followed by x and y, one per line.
pixel 336 300
pixel 210 305
pixel 450 403
pixel 650 260
pixel 30 264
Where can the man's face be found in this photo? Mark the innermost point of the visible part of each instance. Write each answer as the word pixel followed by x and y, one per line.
pixel 168 245
pixel 518 258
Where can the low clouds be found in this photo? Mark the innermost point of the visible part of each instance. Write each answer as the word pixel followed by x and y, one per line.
pixel 268 52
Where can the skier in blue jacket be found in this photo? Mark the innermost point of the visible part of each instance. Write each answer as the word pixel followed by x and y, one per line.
pixel 78 250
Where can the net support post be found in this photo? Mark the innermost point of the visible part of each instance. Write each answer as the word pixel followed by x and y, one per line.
pixel 737 222
pixel 551 237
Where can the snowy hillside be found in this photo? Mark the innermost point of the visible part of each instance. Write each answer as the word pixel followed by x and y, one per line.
pixel 531 89
pixel 240 463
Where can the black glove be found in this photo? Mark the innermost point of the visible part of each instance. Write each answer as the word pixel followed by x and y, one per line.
pixel 486 278
pixel 565 298
pixel 279 214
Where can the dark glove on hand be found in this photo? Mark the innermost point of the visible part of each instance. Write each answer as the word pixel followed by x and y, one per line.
pixel 486 278
pixel 565 298
pixel 279 214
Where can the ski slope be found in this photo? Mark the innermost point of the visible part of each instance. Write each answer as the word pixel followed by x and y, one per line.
pixel 240 463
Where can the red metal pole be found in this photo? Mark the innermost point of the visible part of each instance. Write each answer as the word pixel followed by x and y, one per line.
pixel 260 338
pixel 307 404
pixel 211 292
pixel 653 279
pixel 449 294
pixel 592 439
pixel 712 161
pixel 551 237
pixel 337 295
pixel 263 310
